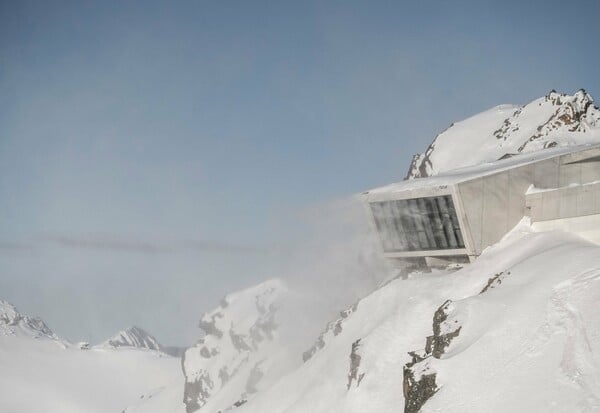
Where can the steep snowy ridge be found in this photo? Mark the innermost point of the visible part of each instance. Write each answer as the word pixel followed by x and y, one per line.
pixel 240 352
pixel 556 119
pixel 133 337
pixel 16 324
pixel 531 333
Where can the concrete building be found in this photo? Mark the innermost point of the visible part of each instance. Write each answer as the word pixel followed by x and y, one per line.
pixel 454 216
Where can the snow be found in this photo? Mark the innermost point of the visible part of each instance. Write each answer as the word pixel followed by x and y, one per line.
pixel 132 337
pixel 40 372
pixel 40 376
pixel 525 312
pixel 587 226
pixel 533 190
pixel 240 353
pixel 553 120
pixel 534 336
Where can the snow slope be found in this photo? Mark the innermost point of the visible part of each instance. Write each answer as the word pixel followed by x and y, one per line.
pixel 42 373
pixel 534 335
pixel 556 119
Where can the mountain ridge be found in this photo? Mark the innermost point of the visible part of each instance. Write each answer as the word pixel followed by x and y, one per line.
pixel 556 119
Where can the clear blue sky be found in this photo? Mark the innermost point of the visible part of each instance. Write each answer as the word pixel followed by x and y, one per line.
pixel 149 151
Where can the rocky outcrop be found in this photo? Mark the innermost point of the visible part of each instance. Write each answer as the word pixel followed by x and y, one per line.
pixel 355 358
pixel 495 281
pixel 419 383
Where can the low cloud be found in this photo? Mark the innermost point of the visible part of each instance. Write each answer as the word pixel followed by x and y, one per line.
pixel 14 246
pixel 116 243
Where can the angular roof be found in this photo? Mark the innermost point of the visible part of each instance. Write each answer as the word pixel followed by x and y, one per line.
pixel 473 172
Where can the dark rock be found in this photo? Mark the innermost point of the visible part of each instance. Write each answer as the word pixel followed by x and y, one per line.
pixel 355 358
pixel 440 341
pixel 417 392
pixel 494 281
pixel 420 387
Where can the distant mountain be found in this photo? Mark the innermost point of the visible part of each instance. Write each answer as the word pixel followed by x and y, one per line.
pixel 556 119
pixel 13 323
pixel 136 337
pixel 39 371
pixel 133 337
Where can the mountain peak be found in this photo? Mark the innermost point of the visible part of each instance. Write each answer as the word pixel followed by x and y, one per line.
pixel 13 323
pixel 556 119
pixel 133 337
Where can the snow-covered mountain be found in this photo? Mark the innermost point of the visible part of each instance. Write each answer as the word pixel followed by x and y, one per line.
pixel 519 322
pixel 132 337
pixel 40 372
pixel 556 119
pixel 240 353
pixel 139 338
pixel 517 330
pixel 13 323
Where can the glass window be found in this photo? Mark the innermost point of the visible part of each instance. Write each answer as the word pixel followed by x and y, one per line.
pixel 418 224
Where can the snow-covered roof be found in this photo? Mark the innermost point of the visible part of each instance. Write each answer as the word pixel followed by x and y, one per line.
pixel 469 173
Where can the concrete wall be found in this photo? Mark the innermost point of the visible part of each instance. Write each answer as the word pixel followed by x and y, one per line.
pixel 566 202
pixel 494 204
pixel 490 206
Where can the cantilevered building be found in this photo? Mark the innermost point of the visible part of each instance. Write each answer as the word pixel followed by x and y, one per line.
pixel 454 216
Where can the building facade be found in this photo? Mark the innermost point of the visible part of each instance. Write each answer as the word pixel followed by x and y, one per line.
pixel 454 216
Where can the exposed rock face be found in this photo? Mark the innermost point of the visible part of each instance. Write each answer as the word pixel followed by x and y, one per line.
pixel 419 374
pixel 495 281
pixel 238 350
pixel 418 387
pixel 442 334
pixel 556 119
pixel 355 358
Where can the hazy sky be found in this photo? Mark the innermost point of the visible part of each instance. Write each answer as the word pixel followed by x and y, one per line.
pixel 152 154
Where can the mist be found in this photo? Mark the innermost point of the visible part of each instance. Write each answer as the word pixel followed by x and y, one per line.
pixel 331 260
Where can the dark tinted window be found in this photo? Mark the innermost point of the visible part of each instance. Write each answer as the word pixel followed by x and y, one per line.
pixel 418 224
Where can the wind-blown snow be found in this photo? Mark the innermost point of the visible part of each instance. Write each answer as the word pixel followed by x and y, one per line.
pixel 535 337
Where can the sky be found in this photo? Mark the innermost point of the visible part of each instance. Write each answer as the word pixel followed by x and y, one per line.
pixel 156 155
